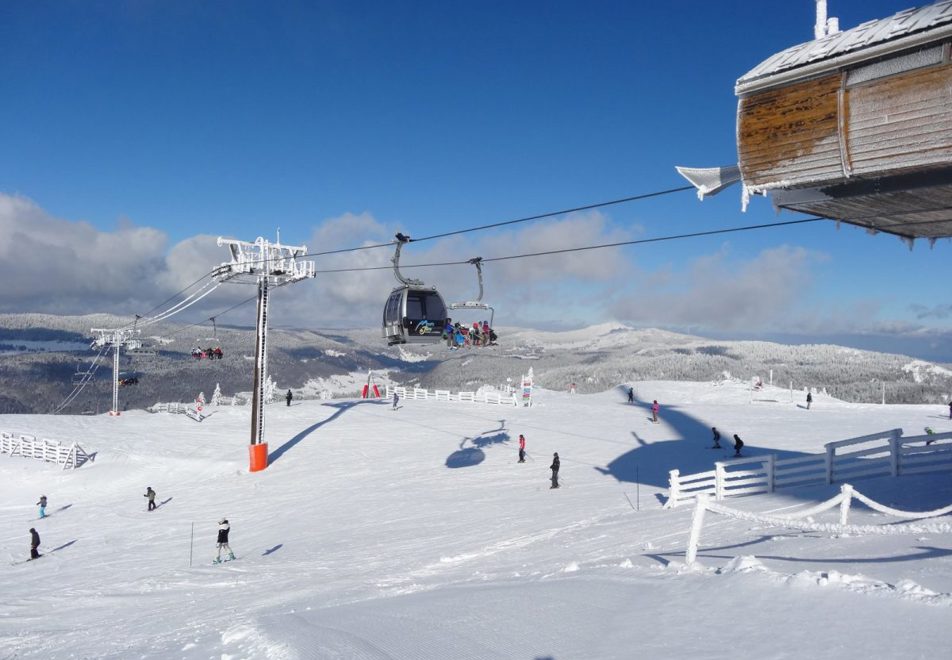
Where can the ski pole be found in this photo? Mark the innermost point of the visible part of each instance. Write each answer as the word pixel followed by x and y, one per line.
pixel 191 545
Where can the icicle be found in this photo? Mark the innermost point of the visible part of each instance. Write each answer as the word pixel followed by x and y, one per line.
pixel 932 241
pixel 908 240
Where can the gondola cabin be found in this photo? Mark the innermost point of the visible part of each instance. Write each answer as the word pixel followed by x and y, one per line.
pixel 856 125
pixel 413 314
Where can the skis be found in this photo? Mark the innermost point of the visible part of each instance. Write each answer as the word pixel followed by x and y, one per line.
pixel 23 561
pixel 224 561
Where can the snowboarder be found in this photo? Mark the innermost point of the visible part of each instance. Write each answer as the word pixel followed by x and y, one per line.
pixel 738 445
pixel 288 397
pixel 555 470
pixel 151 495
pixel 223 529
pixel 809 400
pixel 396 400
pixel 717 438
pixel 929 431
pixel 34 544
pixel 42 505
pixel 654 411
pixel 522 448
pixel 631 395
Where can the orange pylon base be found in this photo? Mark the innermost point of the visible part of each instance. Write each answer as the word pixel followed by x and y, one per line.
pixel 259 456
pixel 113 413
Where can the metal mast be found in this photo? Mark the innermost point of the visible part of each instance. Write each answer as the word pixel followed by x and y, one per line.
pixel 115 339
pixel 268 265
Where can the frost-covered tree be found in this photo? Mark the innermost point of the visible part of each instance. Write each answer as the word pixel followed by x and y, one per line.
pixel 216 395
pixel 269 390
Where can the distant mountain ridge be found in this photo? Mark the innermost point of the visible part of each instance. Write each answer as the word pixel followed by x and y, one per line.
pixel 594 358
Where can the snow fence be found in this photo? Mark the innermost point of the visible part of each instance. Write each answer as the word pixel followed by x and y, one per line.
pixel 804 519
pixel 419 394
pixel 51 451
pixel 877 455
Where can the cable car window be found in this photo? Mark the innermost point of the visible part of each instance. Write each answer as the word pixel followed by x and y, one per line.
pixel 415 305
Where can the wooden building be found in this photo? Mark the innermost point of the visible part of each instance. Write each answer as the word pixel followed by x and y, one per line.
pixel 855 126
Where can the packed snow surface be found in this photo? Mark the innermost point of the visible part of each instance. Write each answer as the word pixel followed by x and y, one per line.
pixel 414 533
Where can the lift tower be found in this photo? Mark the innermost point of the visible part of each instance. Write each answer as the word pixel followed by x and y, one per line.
pixel 269 265
pixel 116 339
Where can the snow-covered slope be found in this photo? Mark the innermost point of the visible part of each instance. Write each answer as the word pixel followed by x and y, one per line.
pixel 415 534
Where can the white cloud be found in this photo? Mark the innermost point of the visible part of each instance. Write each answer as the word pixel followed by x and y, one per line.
pixel 723 295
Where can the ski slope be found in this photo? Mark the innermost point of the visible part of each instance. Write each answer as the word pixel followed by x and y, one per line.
pixel 415 534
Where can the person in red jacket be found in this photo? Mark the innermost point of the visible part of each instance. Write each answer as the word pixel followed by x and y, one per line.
pixel 522 448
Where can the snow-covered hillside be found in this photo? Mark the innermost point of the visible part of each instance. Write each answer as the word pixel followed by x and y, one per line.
pixel 415 534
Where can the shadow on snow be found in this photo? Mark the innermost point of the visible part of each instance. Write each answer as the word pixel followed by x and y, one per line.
pixel 341 408
pixel 474 455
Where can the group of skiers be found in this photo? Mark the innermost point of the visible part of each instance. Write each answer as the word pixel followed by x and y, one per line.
pixel 738 443
pixel 556 464
pixel 208 353
pixel 457 336
pixel 223 529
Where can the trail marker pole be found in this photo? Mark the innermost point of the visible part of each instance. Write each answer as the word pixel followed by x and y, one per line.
pixel 191 545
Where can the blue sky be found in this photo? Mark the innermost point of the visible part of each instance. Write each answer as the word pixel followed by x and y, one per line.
pixel 136 132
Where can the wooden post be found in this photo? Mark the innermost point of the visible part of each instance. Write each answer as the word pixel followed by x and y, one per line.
pixel 770 472
pixel 895 447
pixel 697 521
pixel 719 480
pixel 829 463
pixel 674 490
pixel 847 492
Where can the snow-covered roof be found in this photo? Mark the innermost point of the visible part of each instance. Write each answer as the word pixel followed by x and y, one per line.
pixel 907 29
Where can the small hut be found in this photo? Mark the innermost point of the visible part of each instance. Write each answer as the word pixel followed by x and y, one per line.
pixel 854 126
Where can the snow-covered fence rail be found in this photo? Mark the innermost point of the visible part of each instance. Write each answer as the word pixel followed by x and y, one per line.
pixel 804 519
pixel 51 451
pixel 878 454
pixel 496 398
pixel 171 408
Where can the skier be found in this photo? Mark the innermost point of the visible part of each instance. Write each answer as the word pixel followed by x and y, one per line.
pixel 522 448
pixel 809 400
pixel 288 397
pixel 929 431
pixel 631 395
pixel 738 444
pixel 555 470
pixel 449 334
pixel 717 438
pixel 34 544
pixel 396 400
pixel 223 529
pixel 654 411
pixel 151 495
pixel 42 505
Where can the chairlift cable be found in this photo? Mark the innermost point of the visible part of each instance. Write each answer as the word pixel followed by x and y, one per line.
pixel 639 241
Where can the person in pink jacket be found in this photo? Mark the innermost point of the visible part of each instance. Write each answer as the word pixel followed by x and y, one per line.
pixel 654 410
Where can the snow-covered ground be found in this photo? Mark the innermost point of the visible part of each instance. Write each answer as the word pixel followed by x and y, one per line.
pixel 415 534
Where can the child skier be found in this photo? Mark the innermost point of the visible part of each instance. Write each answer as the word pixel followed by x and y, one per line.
pixel 555 470
pixel 151 495
pixel 223 529
pixel 42 505
pixel 654 411
pixel 738 445
pixel 522 448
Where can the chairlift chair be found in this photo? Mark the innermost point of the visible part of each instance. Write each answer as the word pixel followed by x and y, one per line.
pixel 478 302
pixel 414 313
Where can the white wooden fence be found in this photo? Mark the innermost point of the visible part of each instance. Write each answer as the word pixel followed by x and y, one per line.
pixel 879 454
pixel 417 393
pixel 804 519
pixel 52 451
pixel 196 413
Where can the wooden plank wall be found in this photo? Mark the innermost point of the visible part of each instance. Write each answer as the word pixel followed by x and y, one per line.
pixel 903 121
pixel 790 134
